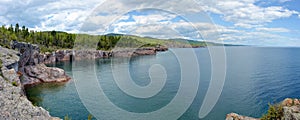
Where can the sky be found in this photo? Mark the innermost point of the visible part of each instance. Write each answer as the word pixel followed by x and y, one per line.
pixel 246 22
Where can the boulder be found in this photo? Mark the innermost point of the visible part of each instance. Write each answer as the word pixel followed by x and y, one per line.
pixel 296 102
pixel 234 116
pixel 42 74
pixel 287 102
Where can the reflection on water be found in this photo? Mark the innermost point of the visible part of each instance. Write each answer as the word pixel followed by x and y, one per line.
pixel 35 93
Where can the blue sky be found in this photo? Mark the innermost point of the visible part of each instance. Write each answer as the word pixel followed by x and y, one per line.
pixel 249 22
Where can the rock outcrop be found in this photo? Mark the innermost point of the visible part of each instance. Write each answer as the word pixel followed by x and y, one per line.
pixel 9 64
pixel 14 105
pixel 69 55
pixel 31 66
pixel 30 54
pixel 234 116
pixel 42 74
pixel 290 108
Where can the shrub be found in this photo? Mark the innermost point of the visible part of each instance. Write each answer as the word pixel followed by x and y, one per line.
pixel 14 83
pixel 90 117
pixel 275 112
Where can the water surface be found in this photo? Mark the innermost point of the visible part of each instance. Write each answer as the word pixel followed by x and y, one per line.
pixel 255 77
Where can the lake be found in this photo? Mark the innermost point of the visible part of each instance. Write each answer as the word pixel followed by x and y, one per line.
pixel 255 76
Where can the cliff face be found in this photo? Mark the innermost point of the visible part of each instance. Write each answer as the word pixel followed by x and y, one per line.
pixel 69 55
pixel 31 66
pixel 13 103
pixel 30 54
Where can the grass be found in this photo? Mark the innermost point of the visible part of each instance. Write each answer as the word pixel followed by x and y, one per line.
pixel 275 112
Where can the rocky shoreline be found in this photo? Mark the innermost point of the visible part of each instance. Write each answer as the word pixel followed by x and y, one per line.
pixel 26 67
pixel 33 70
pixel 290 111
pixel 13 102
pixel 69 55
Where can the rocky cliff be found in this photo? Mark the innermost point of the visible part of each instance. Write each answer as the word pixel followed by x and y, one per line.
pixel 30 54
pixel 69 55
pixel 14 105
pixel 31 67
pixel 33 71
pixel 289 109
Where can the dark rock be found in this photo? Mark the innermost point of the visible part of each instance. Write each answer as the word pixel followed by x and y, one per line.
pixel 31 65
pixel 69 55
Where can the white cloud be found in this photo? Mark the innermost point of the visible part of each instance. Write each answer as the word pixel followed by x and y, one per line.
pixel 245 13
pixel 154 18
pixel 71 15
pixel 47 14
pixel 283 1
pixel 258 38
pixel 281 30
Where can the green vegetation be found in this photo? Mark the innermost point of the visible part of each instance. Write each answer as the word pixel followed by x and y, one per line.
pixel 1 64
pixel 275 112
pixel 48 40
pixel 67 117
pixel 90 117
pixel 14 83
pixel 52 40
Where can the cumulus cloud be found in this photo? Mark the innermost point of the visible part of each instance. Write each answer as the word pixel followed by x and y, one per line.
pixel 47 14
pixel 245 13
pixel 249 20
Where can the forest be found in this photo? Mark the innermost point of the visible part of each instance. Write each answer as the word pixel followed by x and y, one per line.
pixel 53 40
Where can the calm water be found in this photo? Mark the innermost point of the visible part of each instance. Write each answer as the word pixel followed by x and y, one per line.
pixel 255 77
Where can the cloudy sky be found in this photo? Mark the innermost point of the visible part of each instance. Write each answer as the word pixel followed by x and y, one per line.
pixel 249 22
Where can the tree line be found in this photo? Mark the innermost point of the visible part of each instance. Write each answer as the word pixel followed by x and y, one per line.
pixel 52 40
